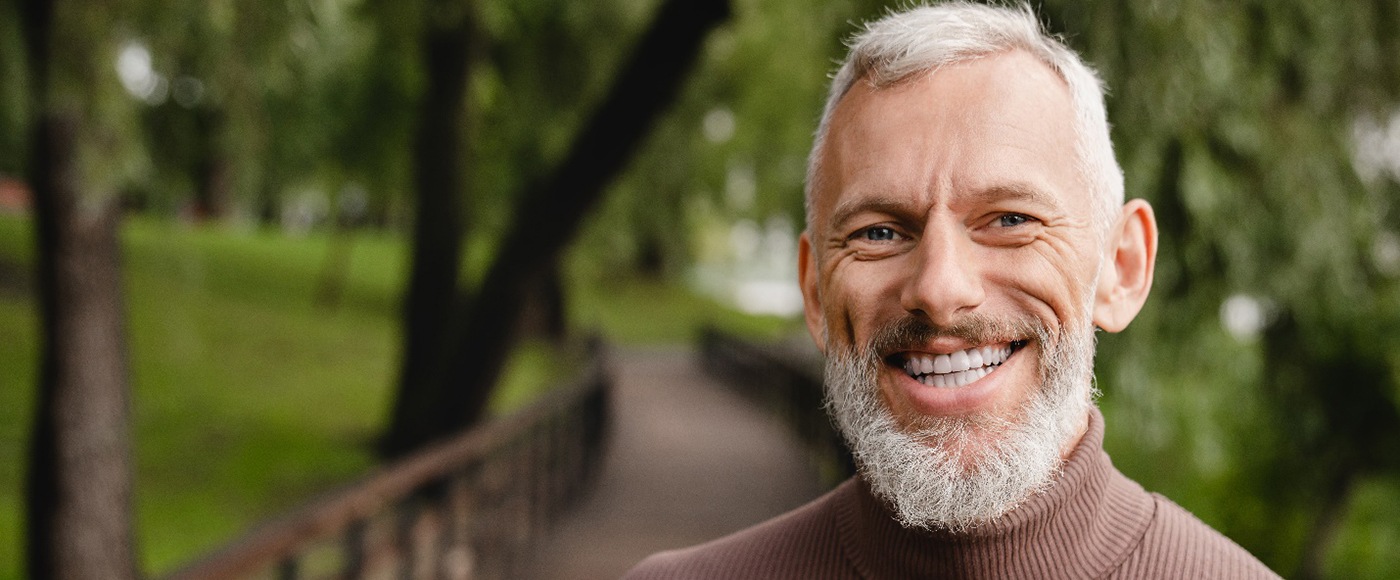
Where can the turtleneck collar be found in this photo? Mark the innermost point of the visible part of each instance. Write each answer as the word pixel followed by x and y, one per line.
pixel 1083 526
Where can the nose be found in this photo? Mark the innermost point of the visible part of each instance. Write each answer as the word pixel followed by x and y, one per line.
pixel 945 283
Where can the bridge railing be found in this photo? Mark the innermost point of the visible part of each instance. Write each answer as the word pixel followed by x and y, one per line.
pixel 468 508
pixel 787 380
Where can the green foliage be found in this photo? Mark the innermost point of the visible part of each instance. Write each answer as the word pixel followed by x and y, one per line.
pixel 14 92
pixel 249 396
pixel 230 356
pixel 639 310
pixel 737 138
pixel 260 101
pixel 1237 122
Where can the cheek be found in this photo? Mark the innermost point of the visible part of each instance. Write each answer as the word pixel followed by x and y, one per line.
pixel 1056 291
pixel 856 299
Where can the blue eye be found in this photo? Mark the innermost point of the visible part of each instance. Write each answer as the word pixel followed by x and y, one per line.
pixel 1012 220
pixel 879 234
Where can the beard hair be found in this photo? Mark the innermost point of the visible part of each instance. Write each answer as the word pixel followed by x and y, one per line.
pixel 957 473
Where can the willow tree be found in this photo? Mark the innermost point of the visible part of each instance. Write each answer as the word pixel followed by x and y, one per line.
pixel 1266 355
pixel 455 373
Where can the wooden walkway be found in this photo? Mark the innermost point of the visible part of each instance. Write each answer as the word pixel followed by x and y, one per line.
pixel 689 461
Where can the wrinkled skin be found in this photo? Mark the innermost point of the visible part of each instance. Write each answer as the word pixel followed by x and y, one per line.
pixel 955 196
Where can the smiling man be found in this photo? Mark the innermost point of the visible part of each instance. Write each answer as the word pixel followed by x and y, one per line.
pixel 966 234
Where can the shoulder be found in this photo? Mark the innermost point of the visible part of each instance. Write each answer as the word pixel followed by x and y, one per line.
pixel 1177 544
pixel 803 543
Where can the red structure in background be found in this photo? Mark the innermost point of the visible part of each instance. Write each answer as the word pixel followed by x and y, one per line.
pixel 15 197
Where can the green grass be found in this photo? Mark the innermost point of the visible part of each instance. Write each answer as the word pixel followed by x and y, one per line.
pixel 650 311
pixel 250 396
pixel 18 335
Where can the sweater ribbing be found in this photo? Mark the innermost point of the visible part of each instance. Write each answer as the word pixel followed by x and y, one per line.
pixel 1093 522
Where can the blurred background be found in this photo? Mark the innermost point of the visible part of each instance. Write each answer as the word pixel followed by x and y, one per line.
pixel 322 233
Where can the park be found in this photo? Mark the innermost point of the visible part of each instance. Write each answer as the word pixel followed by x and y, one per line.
pixel 472 288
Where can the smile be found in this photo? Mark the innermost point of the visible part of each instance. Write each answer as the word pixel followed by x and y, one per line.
pixel 959 368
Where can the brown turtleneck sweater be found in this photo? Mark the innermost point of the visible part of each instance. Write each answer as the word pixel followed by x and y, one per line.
pixel 1093 523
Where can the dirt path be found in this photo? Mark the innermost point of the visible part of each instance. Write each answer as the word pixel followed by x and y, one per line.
pixel 689 461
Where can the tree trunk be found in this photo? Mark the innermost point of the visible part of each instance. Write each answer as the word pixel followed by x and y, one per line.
pixel 437 230
pixel 79 488
pixel 214 190
pixel 551 211
pixel 544 315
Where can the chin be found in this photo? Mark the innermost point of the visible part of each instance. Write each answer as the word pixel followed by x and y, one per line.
pixel 959 460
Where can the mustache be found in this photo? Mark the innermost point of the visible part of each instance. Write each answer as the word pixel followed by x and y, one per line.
pixel 910 333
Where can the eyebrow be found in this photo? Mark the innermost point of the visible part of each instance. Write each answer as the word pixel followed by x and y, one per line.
pixel 895 206
pixel 1016 191
pixel 877 204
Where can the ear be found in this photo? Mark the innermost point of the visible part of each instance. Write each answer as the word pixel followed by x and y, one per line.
pixel 811 298
pixel 1131 257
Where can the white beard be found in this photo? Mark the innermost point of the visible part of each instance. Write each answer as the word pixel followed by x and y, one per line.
pixel 956 473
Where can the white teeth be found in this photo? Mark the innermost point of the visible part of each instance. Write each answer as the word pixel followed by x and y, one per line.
pixel 941 364
pixel 955 369
pixel 954 379
pixel 960 362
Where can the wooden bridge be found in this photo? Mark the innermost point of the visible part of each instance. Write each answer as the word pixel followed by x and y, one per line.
pixel 648 451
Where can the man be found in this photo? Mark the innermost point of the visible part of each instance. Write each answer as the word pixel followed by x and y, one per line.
pixel 966 234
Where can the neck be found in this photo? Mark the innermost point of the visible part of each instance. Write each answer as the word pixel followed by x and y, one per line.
pixel 1074 524
pixel 1073 442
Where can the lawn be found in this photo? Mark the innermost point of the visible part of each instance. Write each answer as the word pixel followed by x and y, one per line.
pixel 249 394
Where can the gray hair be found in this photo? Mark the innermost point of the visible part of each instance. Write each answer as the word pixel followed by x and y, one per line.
pixel 922 39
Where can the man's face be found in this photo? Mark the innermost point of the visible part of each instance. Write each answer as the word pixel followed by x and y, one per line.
pixel 952 201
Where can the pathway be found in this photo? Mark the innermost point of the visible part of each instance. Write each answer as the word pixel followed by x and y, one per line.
pixel 689 461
